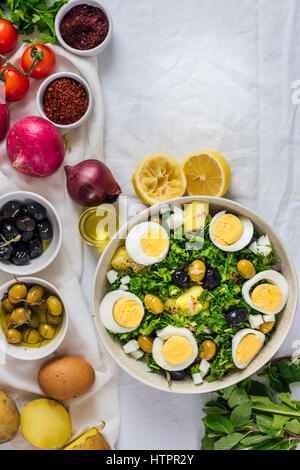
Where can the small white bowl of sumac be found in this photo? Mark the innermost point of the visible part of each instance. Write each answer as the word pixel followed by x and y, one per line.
pixel 84 27
pixel 65 99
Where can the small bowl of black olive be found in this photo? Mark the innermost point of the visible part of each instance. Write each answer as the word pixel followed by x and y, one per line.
pixel 30 233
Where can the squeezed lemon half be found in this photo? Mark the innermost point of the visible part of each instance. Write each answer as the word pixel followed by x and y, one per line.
pixel 158 178
pixel 207 173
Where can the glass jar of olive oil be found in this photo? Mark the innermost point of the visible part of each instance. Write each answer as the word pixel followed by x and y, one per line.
pixel 97 225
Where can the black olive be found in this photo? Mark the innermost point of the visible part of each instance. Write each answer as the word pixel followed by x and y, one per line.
pixel 36 210
pixel 27 236
pixel 9 231
pixel 212 278
pixel 11 209
pixel 25 223
pixel 177 374
pixel 181 278
pixel 237 316
pixel 35 248
pixel 21 256
pixel 6 252
pixel 45 230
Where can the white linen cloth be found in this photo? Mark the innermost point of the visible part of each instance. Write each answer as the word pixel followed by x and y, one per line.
pixel 19 378
pixel 182 76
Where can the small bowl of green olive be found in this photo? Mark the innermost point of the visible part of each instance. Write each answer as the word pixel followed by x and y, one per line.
pixel 33 318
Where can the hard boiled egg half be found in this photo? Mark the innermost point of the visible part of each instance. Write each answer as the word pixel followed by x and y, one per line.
pixel 174 348
pixel 121 312
pixel 245 345
pixel 147 243
pixel 230 232
pixel 268 297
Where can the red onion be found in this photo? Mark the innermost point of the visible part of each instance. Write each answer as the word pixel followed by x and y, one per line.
pixel 4 120
pixel 35 147
pixel 90 183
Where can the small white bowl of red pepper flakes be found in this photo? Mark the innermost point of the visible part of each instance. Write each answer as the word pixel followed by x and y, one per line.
pixel 65 99
pixel 83 27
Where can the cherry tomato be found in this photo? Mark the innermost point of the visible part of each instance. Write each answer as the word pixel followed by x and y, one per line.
pixel 43 68
pixel 16 85
pixel 8 36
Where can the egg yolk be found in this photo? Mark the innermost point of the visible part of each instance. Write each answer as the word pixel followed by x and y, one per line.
pixel 128 312
pixel 154 242
pixel 268 297
pixel 227 229
pixel 177 350
pixel 247 348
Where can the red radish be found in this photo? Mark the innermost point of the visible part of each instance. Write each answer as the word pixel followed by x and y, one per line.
pixel 4 120
pixel 90 183
pixel 35 147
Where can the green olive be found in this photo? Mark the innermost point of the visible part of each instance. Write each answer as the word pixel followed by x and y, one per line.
pixel 197 270
pixel 154 304
pixel 46 331
pixel 34 321
pixel 7 305
pixel 246 268
pixel 13 336
pixel 35 294
pixel 17 293
pixel 54 306
pixel 52 320
pixel 20 316
pixel 31 336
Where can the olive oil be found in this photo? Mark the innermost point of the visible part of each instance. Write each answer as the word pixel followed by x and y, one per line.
pixel 97 225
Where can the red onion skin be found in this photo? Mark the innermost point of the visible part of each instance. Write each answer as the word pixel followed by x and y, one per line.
pixel 4 120
pixel 91 183
pixel 35 147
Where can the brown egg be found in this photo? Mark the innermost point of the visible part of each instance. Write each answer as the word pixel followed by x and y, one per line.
pixel 66 377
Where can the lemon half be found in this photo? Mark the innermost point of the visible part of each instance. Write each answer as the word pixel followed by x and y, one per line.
pixel 207 173
pixel 158 178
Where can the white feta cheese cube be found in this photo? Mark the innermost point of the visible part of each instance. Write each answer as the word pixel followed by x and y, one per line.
pixel 112 276
pixel 197 378
pixel 131 346
pixel 204 367
pixel 137 354
pixel 123 287
pixel 263 250
pixel 264 240
pixel 255 321
pixel 268 318
pixel 125 280
pixel 176 219
pixel 253 248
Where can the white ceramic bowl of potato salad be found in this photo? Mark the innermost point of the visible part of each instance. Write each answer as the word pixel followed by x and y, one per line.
pixel 194 294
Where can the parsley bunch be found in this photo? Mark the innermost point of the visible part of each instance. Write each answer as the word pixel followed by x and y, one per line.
pixel 28 15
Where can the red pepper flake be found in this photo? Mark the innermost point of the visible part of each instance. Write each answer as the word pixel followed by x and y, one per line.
pixel 84 27
pixel 65 101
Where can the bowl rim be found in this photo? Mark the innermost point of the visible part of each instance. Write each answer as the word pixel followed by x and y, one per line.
pixel 13 269
pixel 227 378
pixel 19 352
pixel 83 52
pixel 41 92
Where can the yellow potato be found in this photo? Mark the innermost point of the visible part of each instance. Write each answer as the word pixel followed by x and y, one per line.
pixel 122 262
pixel 91 440
pixel 9 418
pixel 46 424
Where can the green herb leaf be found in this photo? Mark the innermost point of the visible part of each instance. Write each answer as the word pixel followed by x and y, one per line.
pixel 228 442
pixel 241 415
pixel 219 423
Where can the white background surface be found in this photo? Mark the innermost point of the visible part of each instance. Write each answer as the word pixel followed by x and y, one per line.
pixel 187 75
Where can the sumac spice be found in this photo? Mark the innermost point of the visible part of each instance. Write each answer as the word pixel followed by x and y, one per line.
pixel 65 101
pixel 84 27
